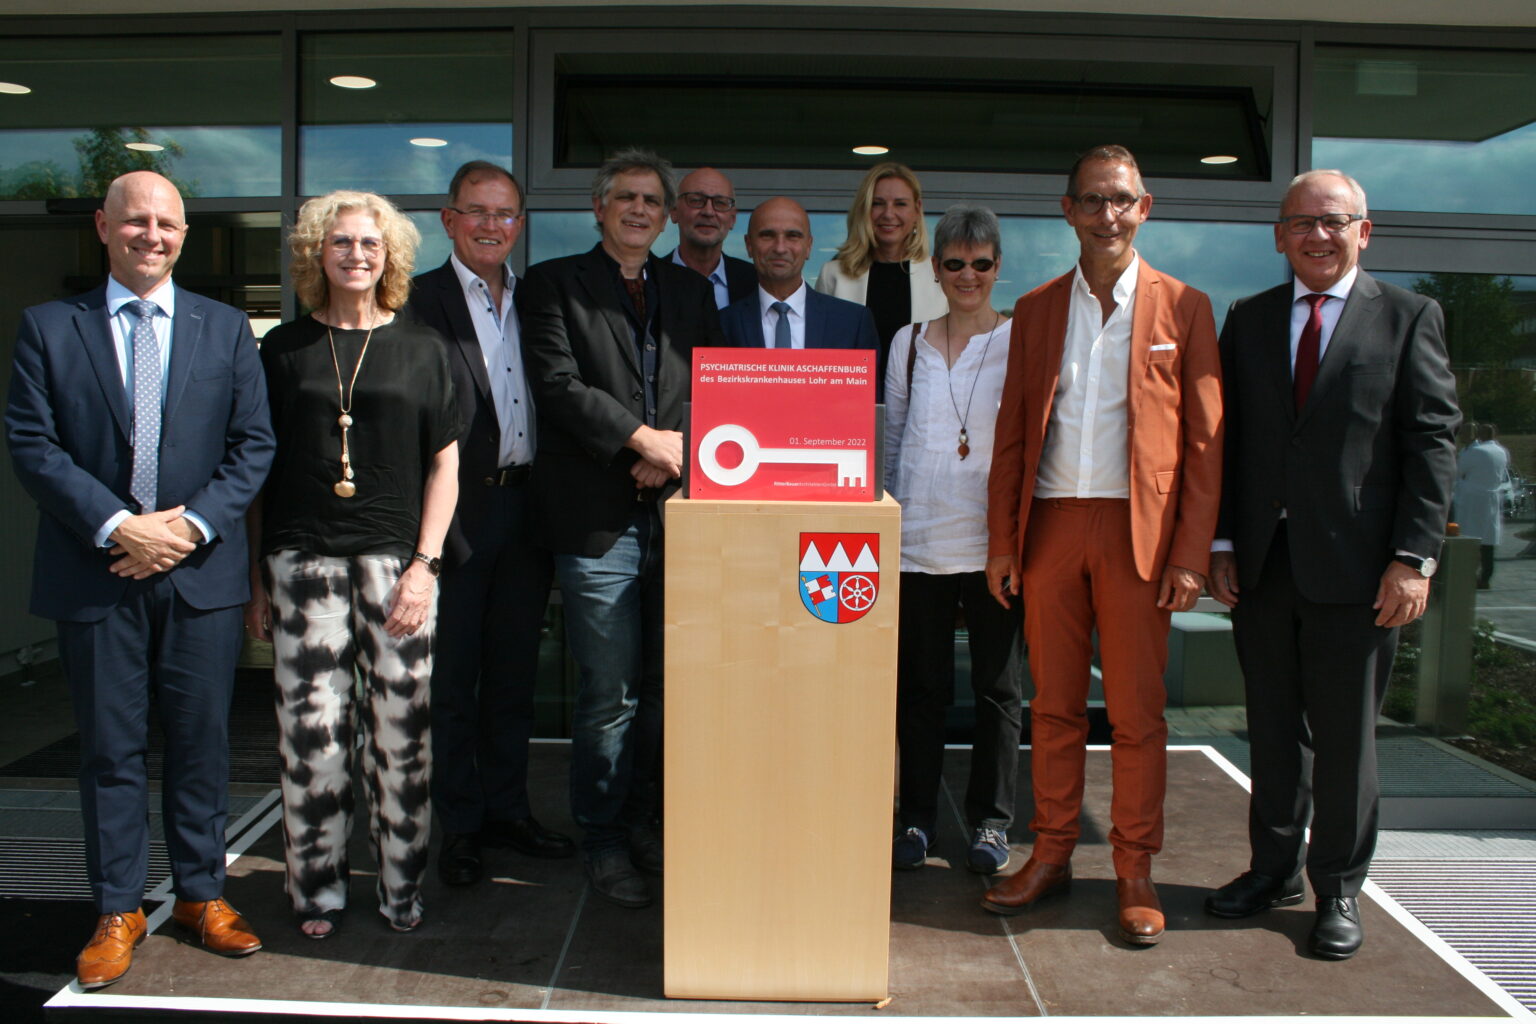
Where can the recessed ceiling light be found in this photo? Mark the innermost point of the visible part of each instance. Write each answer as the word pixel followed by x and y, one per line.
pixel 871 150
pixel 143 147
pixel 14 88
pixel 428 142
pixel 1222 159
pixel 353 81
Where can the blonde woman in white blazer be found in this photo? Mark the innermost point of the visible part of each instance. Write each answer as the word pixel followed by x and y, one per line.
pixel 883 264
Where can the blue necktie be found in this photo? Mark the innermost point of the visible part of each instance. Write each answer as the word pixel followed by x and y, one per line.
pixel 146 407
pixel 781 329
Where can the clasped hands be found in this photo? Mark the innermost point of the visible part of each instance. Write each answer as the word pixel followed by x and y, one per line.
pixel 152 542
pixel 661 456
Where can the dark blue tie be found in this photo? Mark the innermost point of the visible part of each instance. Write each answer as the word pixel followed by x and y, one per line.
pixel 781 329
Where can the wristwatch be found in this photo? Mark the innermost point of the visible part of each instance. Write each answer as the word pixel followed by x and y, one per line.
pixel 1423 566
pixel 434 565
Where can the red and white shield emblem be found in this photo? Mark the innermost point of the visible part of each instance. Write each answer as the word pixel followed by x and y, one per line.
pixel 839 574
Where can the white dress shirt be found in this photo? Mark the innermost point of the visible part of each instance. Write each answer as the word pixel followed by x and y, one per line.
pixel 1085 453
pixel 715 277
pixel 123 322
pixel 770 316
pixel 943 498
pixel 500 338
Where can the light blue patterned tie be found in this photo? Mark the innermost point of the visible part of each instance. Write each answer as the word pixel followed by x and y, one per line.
pixel 781 329
pixel 146 406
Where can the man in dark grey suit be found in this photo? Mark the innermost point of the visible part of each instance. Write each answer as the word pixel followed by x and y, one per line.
pixel 704 214
pixel 495 582
pixel 138 420
pixel 1341 418
pixel 783 311
pixel 608 337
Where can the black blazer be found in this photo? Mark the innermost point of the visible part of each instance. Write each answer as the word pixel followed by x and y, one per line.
pixel 437 301
pixel 740 278
pixel 584 370
pixel 829 323
pixel 1366 468
pixel 69 427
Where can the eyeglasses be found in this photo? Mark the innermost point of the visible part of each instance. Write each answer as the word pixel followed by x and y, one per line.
pixel 342 245
pixel 1333 223
pixel 506 218
pixel 1091 202
pixel 696 200
pixel 981 266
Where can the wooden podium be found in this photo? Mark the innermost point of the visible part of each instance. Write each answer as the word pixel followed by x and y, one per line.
pixel 780 747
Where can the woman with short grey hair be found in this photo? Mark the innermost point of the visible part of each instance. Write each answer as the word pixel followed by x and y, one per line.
pixel 943 384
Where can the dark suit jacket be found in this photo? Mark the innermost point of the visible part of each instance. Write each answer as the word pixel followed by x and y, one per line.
pixel 437 301
pixel 69 426
pixel 584 370
pixel 740 277
pixel 1366 469
pixel 829 322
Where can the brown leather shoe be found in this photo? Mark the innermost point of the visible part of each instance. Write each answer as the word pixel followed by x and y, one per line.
pixel 109 954
pixel 1141 915
pixel 218 926
pixel 1029 885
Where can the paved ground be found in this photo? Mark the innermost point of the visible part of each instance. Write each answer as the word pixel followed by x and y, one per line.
pixel 1511 600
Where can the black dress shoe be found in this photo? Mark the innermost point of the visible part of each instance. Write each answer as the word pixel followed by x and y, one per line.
pixel 1337 934
pixel 459 861
pixel 1251 892
pixel 525 835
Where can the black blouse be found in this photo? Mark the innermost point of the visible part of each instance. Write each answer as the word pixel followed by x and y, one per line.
pixel 403 413
pixel 888 296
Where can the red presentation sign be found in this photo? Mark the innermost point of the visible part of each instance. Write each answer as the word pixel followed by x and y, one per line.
pixel 783 424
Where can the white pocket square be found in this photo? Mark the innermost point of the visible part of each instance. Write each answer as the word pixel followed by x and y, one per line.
pixel 1163 348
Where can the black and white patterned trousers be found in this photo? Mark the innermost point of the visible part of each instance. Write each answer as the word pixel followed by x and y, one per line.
pixel 329 644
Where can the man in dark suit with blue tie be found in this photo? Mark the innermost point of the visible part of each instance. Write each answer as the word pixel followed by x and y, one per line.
pixel 490 612
pixel 786 312
pixel 1340 455
pixel 138 421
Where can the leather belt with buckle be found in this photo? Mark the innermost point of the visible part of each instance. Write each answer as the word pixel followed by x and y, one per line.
pixel 509 475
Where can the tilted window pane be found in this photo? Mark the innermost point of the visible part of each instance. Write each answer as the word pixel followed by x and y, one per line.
pixel 209 123
pixel 1450 131
pixel 398 112
pixel 989 114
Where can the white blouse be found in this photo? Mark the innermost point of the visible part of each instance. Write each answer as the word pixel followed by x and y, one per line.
pixel 943 497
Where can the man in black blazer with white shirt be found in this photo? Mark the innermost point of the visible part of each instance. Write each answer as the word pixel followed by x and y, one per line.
pixel 496 575
pixel 608 337
pixel 1340 456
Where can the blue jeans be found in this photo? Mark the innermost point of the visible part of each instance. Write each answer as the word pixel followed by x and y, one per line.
pixel 613 622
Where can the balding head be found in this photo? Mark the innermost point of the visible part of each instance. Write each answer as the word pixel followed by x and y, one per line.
pixel 142 223
pixel 779 242
pixel 702 228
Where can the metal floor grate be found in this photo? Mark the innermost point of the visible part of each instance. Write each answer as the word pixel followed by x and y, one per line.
pixel 54 869
pixel 1484 909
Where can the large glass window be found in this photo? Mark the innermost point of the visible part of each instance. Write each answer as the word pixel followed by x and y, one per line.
pixel 1226 261
pixel 1490 328
pixel 79 111
pixel 398 112
pixel 982 114
pixel 1434 130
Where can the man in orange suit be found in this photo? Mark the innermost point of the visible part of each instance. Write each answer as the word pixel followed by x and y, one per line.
pixel 1106 478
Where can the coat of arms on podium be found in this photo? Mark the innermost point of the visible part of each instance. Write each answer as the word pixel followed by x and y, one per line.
pixel 839 574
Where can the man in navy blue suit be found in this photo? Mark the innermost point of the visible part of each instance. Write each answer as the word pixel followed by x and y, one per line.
pixel 786 312
pixel 138 421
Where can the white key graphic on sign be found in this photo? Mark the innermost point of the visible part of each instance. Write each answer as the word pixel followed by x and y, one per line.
pixel 850 462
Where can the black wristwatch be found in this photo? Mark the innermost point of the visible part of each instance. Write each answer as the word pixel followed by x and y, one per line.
pixel 434 565
pixel 1423 566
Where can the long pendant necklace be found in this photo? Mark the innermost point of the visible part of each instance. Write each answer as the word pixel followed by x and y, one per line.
pixel 964 447
pixel 344 487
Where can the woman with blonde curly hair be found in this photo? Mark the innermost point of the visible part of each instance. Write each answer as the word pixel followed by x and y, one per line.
pixel 883 264
pixel 347 539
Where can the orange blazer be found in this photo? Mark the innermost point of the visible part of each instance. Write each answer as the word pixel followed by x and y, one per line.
pixel 1173 416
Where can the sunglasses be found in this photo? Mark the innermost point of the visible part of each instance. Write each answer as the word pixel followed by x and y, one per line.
pixel 981 266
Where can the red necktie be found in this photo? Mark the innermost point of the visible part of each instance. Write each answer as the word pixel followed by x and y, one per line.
pixel 1306 351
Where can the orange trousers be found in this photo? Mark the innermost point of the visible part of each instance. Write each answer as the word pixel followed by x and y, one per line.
pixel 1078 573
